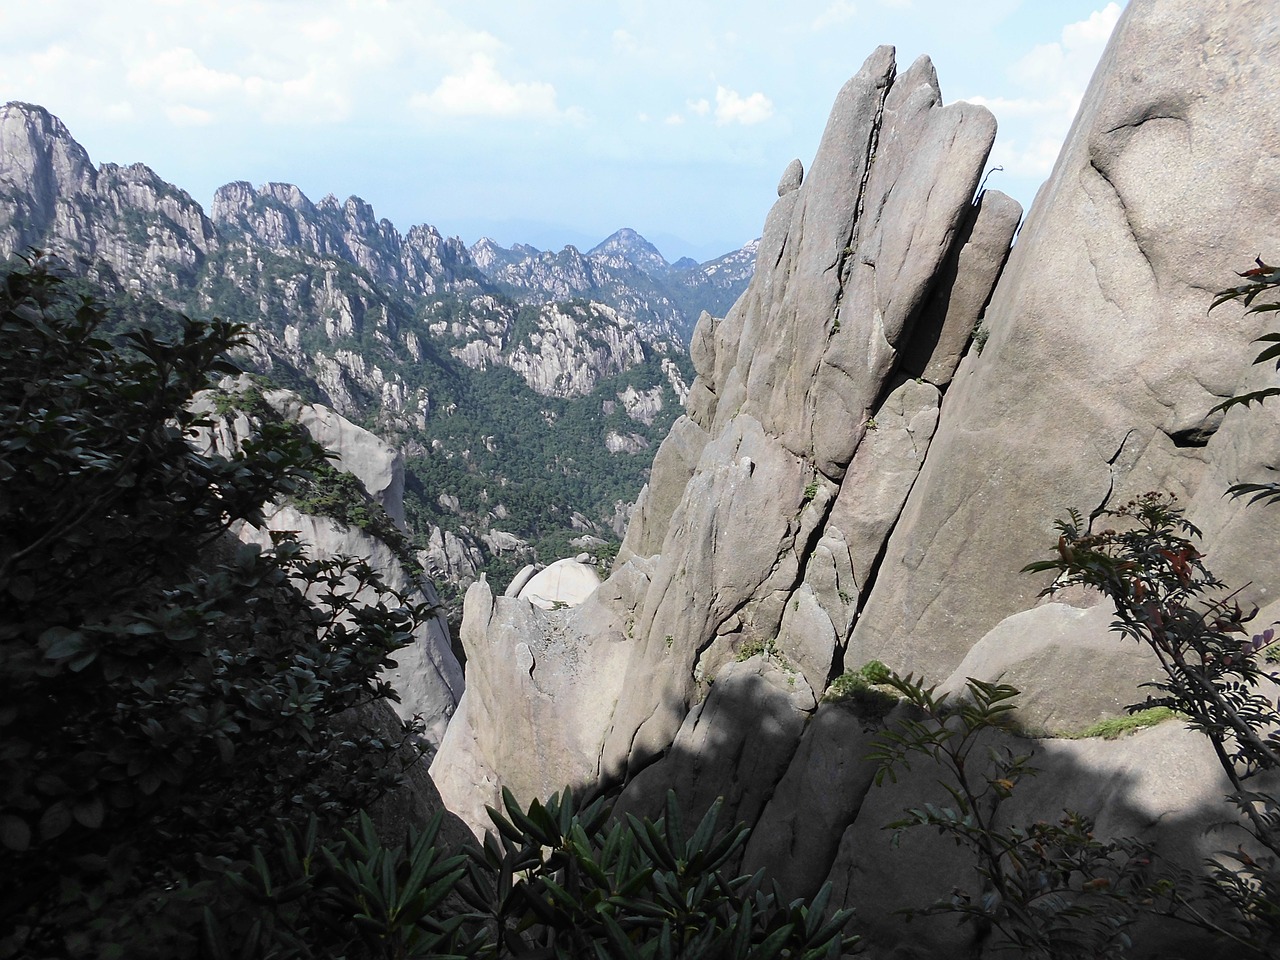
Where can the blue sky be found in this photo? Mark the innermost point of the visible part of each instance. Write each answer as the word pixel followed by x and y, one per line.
pixel 548 122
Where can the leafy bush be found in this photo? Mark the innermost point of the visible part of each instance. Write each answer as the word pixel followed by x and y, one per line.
pixel 169 697
pixel 1046 890
pixel 565 881
pixel 557 879
pixel 1214 673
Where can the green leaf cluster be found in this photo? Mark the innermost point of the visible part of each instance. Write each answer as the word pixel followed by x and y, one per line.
pixel 1214 672
pixel 1047 890
pixel 168 696
pixel 1263 278
pixel 563 880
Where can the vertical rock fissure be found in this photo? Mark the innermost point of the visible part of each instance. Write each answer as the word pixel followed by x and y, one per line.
pixel 873 142
pixel 1111 478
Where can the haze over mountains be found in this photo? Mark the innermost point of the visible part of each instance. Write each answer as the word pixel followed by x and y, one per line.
pixel 525 388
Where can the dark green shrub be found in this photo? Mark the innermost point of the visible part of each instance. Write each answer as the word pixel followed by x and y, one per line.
pixel 168 697
pixel 1043 890
pixel 565 881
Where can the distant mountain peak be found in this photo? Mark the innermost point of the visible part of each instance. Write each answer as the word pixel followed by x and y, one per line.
pixel 630 246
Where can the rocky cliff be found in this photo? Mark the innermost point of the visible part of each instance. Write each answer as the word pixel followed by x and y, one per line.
pixel 855 478
pixel 427 677
pixel 519 405
pixel 625 272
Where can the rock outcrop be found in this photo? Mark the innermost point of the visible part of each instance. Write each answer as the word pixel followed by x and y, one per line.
pixel 856 480
pixel 739 516
pixel 1102 363
pixel 427 676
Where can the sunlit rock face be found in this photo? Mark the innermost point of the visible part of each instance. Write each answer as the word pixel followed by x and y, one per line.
pixel 768 506
pixel 858 478
pixel 1102 361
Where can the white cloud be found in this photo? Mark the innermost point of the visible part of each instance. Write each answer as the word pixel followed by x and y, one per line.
pixel 673 120
pixel 181 115
pixel 1053 78
pixel 732 107
pixel 179 73
pixel 480 90
pixel 699 108
pixel 840 11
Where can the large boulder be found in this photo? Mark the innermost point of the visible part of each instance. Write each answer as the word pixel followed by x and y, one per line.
pixel 565 583
pixel 842 491
pixel 1071 668
pixel 798 388
pixel 545 683
pixel 1162 784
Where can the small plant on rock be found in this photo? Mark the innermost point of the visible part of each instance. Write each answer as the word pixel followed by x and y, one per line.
pixel 864 690
pixel 1046 889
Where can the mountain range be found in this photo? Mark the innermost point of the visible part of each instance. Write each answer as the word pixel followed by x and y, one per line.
pixel 524 388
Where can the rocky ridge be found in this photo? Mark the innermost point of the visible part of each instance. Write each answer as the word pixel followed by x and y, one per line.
pixel 404 333
pixel 623 271
pixel 856 479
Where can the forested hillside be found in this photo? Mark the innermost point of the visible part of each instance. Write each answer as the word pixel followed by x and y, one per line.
pixel 526 390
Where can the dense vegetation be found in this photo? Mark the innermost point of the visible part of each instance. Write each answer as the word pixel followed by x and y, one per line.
pixel 488 439
pixel 170 696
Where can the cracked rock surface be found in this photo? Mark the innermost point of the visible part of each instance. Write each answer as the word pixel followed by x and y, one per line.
pixel 855 480
pixel 1102 355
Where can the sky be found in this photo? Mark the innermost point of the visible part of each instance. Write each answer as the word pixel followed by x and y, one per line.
pixel 544 123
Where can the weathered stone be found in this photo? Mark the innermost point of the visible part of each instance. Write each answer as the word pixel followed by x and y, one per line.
pixel 1071 668
pixel 786 315
pixel 798 834
pixel 735 744
pixel 427 676
pixel 829 574
pixel 711 564
pixel 1162 784
pixel 541 686
pixel 450 557
pixel 883 470
pixel 962 288
pixel 807 637
pixel 565 583
pixel 1101 365
pixel 927 164
pixel 375 463
pixel 792 177
pixel 673 465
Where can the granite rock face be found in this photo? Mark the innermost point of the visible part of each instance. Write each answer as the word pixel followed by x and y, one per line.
pixel 545 684
pixel 856 480
pixel 1102 361
pixel 768 506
